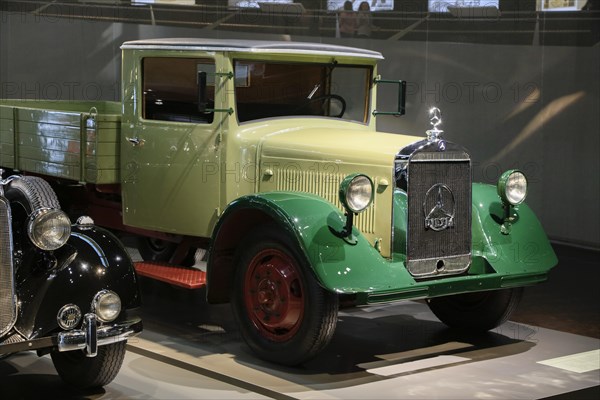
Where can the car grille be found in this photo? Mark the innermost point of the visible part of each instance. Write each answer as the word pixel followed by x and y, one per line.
pixel 439 212
pixel 7 293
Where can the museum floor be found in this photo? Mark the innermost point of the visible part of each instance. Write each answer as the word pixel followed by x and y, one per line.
pixel 188 350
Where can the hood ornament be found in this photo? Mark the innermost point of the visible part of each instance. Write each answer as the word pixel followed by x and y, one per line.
pixel 435 119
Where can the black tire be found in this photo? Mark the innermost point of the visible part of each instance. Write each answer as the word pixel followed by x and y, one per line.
pixel 155 249
pixel 90 372
pixel 284 318
pixel 476 312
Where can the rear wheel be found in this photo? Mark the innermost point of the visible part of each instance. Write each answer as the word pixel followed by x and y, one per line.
pixel 152 249
pixel 76 369
pixel 283 314
pixel 476 312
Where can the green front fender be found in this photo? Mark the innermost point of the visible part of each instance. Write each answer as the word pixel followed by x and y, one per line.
pixel 312 222
pixel 523 257
pixel 525 250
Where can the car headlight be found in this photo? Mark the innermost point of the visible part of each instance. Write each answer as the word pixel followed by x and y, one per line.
pixel 49 229
pixel 512 187
pixel 106 305
pixel 356 192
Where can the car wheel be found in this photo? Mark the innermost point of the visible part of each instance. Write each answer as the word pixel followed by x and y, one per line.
pixel 78 370
pixel 152 249
pixel 476 312
pixel 283 314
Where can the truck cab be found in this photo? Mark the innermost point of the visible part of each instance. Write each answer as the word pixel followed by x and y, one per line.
pixel 197 114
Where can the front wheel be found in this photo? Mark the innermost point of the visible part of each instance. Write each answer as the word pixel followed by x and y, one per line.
pixel 89 372
pixel 283 314
pixel 476 312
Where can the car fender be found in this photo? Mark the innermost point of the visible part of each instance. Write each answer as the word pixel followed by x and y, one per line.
pixel 313 223
pixel 525 249
pixel 93 259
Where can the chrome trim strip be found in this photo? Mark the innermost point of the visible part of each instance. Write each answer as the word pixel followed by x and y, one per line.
pixel 8 303
pixel 458 159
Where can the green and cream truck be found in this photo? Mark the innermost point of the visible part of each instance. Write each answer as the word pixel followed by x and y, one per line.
pixel 266 156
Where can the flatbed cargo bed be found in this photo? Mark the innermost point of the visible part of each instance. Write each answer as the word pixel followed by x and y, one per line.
pixel 45 137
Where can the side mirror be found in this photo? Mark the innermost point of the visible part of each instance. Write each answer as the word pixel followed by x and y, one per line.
pixel 202 102
pixel 401 97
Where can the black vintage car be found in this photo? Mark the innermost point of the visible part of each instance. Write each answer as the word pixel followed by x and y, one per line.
pixel 66 289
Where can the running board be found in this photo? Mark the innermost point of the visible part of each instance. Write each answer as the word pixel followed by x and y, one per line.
pixel 188 278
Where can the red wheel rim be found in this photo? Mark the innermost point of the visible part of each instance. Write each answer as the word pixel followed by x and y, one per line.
pixel 274 295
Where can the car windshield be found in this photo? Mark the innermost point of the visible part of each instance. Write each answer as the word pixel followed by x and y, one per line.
pixel 276 89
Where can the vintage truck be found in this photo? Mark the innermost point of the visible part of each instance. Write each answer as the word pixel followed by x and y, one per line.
pixel 266 155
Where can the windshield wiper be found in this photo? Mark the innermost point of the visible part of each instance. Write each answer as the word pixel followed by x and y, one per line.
pixel 331 67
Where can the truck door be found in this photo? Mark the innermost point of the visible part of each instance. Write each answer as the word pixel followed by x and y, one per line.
pixel 171 147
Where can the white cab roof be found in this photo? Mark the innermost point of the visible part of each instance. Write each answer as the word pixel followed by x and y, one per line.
pixel 250 46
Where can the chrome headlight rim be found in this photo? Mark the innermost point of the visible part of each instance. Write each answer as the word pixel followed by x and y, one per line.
pixel 42 222
pixel 356 185
pixel 69 316
pixel 512 187
pixel 106 305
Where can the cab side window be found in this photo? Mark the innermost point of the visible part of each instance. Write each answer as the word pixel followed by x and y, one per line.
pixel 171 92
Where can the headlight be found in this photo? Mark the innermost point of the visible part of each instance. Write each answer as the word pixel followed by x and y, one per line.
pixel 49 229
pixel 512 187
pixel 106 305
pixel 356 192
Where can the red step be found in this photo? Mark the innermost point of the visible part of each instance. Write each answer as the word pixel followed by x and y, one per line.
pixel 188 278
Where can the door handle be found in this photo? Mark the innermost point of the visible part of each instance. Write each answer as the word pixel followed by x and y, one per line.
pixel 136 141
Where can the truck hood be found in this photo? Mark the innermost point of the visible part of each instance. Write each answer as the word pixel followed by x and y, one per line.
pixel 335 145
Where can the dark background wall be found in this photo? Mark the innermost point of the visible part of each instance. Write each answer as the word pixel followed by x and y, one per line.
pixel 531 106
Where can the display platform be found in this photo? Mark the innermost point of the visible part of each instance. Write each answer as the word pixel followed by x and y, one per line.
pixel 189 350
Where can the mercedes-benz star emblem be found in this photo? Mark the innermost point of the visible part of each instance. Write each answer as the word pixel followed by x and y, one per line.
pixel 438 208
pixel 435 117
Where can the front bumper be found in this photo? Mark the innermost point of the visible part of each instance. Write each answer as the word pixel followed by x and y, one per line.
pixel 450 286
pixel 88 338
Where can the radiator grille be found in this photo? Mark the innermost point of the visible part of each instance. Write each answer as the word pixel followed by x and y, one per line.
pixel 7 294
pixel 325 185
pixel 12 339
pixel 439 215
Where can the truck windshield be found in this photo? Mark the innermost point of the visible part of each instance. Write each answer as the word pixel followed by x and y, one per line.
pixel 277 89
